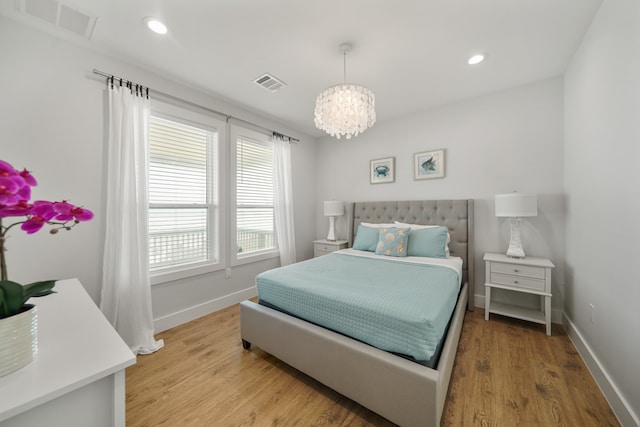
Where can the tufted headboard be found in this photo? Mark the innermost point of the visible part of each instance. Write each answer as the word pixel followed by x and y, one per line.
pixel 456 215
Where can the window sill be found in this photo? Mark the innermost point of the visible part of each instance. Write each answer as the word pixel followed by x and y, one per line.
pixel 254 257
pixel 183 273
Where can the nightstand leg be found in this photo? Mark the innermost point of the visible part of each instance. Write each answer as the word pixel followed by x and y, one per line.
pixel 547 313
pixel 487 302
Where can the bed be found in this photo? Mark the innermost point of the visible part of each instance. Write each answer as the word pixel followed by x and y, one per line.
pixel 401 390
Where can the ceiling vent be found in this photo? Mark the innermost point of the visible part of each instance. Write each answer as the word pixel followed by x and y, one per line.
pixel 269 82
pixel 59 14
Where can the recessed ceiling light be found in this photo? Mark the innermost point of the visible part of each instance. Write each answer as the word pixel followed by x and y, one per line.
pixel 155 25
pixel 476 59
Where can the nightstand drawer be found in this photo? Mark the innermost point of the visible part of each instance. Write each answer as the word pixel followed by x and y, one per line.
pixel 323 247
pixel 319 247
pixel 518 270
pixel 518 281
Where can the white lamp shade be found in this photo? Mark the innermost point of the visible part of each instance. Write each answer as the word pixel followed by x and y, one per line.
pixel 516 205
pixel 333 208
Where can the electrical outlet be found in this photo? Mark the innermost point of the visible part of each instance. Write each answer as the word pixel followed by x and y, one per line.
pixel 592 310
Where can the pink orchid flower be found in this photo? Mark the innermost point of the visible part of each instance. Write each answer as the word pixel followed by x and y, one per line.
pixel 22 208
pixel 68 212
pixel 41 212
pixel 13 189
pixel 15 193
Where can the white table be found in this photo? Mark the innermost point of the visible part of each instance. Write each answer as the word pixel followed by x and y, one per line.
pixel 77 377
pixel 324 246
pixel 527 275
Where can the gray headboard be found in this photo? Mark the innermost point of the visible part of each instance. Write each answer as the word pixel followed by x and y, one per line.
pixel 456 215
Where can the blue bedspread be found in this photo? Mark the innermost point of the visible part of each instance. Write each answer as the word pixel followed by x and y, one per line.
pixel 397 307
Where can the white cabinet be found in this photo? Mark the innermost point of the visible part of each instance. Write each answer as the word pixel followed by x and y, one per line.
pixel 323 247
pixel 77 377
pixel 528 275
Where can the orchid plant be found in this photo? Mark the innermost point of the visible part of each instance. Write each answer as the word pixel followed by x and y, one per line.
pixel 15 193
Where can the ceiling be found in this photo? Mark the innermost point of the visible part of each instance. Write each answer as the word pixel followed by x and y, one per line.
pixel 411 53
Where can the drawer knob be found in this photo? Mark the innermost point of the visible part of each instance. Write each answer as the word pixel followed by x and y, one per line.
pixel 515 270
pixel 515 281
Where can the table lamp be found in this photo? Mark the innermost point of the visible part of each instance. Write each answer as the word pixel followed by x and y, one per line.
pixel 332 209
pixel 515 206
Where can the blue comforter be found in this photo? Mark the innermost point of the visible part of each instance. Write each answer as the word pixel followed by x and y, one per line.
pixel 397 307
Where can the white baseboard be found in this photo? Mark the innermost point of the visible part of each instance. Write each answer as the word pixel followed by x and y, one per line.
pixel 556 314
pixel 178 318
pixel 619 405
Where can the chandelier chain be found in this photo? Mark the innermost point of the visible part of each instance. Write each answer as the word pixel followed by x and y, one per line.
pixel 344 56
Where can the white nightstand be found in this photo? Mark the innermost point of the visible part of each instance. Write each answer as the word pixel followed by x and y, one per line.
pixel 529 275
pixel 323 247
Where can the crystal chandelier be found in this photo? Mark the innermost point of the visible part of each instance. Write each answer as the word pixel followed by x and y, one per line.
pixel 345 109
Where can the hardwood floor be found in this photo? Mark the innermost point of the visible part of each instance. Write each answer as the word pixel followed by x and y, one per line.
pixel 507 373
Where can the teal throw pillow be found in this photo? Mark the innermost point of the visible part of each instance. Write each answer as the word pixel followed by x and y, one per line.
pixel 428 242
pixel 393 241
pixel 366 238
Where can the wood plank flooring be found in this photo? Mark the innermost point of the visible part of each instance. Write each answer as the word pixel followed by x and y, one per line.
pixel 507 373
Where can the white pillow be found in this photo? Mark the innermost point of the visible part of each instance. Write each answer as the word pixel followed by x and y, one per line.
pixel 420 226
pixel 376 225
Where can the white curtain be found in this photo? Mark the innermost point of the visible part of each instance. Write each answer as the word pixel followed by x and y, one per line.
pixel 126 288
pixel 283 200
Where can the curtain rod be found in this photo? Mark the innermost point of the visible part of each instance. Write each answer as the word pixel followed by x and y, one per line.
pixel 225 115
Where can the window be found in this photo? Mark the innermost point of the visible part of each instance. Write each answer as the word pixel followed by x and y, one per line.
pixel 183 197
pixel 254 228
pixel 211 203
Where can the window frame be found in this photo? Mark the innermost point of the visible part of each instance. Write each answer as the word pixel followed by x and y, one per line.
pixel 240 132
pixel 217 213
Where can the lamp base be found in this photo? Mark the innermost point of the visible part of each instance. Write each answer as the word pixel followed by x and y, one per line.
pixel 332 225
pixel 515 245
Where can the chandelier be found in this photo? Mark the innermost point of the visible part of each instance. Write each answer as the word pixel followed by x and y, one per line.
pixel 345 109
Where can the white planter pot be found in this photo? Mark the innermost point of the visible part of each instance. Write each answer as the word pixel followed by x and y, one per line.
pixel 18 340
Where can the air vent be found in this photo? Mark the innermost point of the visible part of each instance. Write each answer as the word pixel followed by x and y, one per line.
pixel 59 14
pixel 269 82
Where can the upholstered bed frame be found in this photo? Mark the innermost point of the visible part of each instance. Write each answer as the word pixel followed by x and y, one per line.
pixel 400 390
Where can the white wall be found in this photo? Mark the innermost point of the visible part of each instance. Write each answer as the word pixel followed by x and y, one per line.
pixel 602 180
pixel 52 121
pixel 506 141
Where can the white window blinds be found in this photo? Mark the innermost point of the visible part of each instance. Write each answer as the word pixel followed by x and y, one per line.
pixel 182 194
pixel 254 196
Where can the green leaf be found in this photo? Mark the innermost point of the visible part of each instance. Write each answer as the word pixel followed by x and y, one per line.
pixel 3 304
pixel 38 289
pixel 12 298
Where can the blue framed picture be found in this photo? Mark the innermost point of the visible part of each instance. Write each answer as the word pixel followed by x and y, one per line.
pixel 382 170
pixel 428 164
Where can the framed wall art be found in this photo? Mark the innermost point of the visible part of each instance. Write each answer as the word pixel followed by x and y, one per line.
pixel 428 164
pixel 382 170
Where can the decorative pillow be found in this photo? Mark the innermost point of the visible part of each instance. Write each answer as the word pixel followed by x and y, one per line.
pixel 392 241
pixel 428 242
pixel 421 227
pixel 366 238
